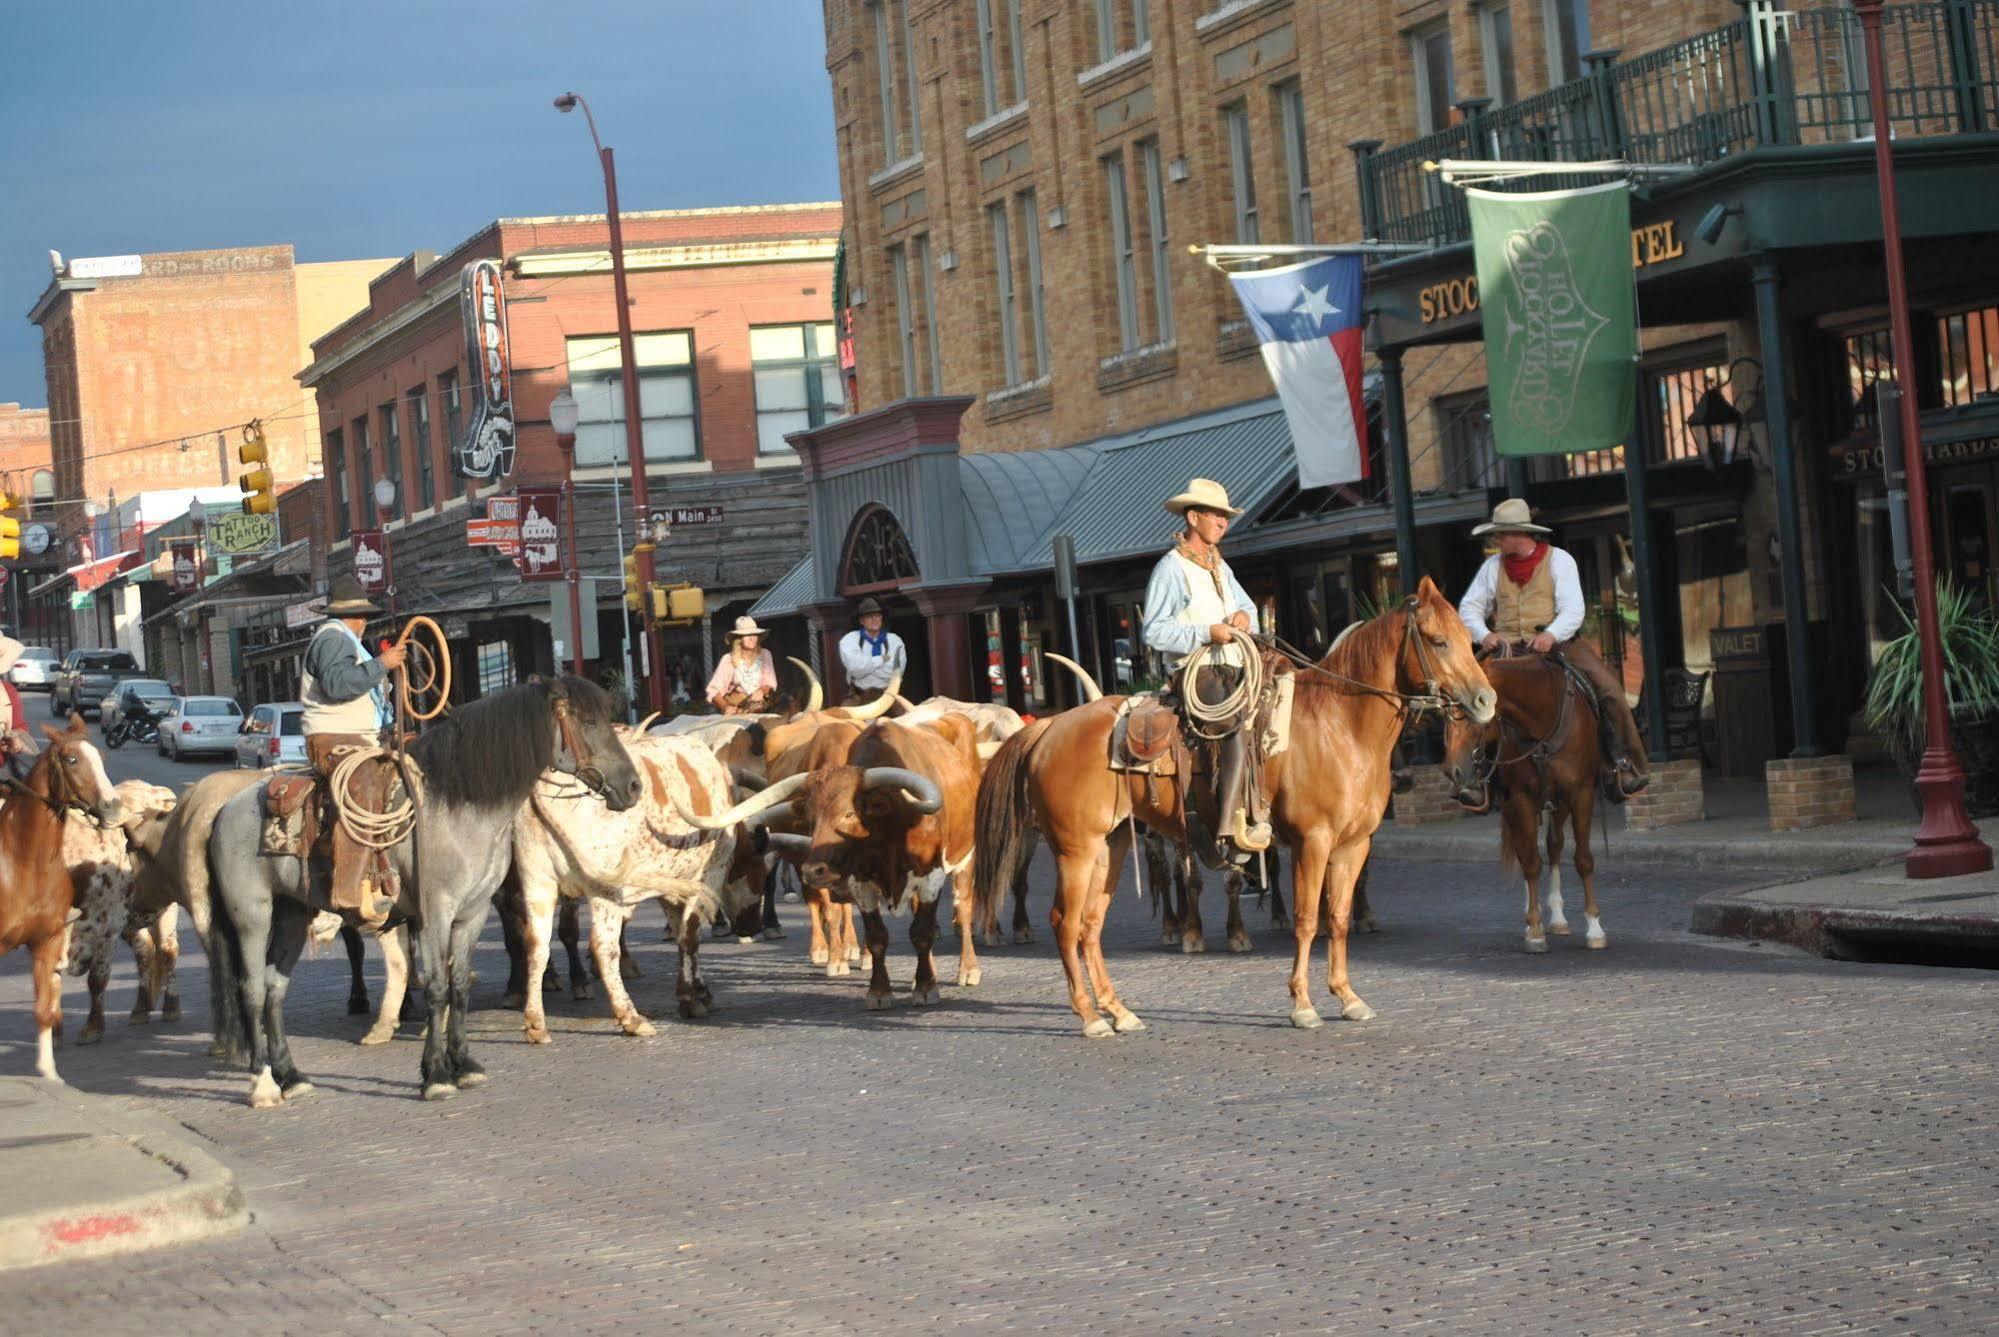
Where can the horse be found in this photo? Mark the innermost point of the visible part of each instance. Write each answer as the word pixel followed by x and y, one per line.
pixel 1540 756
pixel 36 891
pixel 1329 788
pixel 477 767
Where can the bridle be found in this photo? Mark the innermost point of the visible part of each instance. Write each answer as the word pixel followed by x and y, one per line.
pixel 63 795
pixel 582 760
pixel 1409 705
pixel 1485 766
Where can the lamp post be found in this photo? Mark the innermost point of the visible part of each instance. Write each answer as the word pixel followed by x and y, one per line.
pixel 634 436
pixel 1947 844
pixel 385 509
pixel 563 416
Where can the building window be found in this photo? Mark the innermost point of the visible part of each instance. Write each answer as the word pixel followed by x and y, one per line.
pixel 919 254
pixel 1155 224
pixel 1242 172
pixel 1676 393
pixel 1009 307
pixel 1464 429
pixel 905 319
pixel 1495 33
pixel 895 63
pixel 496 666
pixel 1037 309
pixel 392 455
pixel 420 443
pixel 1430 49
pixel 1568 38
pixel 454 409
pixel 1113 36
pixel 1002 64
pixel 364 473
pixel 916 316
pixel 1869 358
pixel 797 374
pixel 1123 262
pixel 1297 159
pixel 336 464
pixel 668 421
pixel 1970 342
pixel 41 491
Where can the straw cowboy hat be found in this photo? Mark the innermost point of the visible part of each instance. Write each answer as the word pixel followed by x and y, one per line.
pixel 1510 517
pixel 348 599
pixel 10 650
pixel 745 626
pixel 1205 493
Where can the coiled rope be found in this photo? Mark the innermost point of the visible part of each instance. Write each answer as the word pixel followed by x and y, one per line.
pixel 390 827
pixel 1216 719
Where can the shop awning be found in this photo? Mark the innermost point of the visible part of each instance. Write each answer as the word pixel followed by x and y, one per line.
pixel 87 575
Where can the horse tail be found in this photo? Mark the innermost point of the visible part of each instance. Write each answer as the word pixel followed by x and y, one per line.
pixel 1005 821
pixel 227 1018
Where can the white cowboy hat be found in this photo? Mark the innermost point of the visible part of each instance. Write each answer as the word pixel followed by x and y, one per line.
pixel 10 650
pixel 1510 517
pixel 1205 493
pixel 746 626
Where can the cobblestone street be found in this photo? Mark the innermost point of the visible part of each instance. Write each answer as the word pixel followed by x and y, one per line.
pixel 1673 1134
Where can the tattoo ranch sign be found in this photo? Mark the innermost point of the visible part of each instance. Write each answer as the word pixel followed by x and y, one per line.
pixel 243 534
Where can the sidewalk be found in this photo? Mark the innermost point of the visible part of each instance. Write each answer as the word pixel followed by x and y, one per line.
pixel 1875 914
pixel 87 1177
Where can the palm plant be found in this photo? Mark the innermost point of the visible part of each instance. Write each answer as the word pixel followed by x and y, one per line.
pixel 1970 636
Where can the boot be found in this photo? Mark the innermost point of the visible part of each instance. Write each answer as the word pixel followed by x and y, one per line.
pixel 1618 778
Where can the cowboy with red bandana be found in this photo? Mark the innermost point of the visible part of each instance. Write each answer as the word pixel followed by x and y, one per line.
pixel 1528 597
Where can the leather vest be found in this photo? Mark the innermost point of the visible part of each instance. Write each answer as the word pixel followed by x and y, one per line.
pixel 1520 611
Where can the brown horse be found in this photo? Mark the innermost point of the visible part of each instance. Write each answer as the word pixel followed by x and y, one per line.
pixel 1539 756
pixel 36 893
pixel 1329 790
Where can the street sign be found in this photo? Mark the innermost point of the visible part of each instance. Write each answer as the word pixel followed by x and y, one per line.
pixel 541 534
pixel 371 559
pixel 685 515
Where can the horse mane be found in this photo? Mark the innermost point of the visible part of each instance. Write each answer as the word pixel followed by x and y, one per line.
pixel 1357 648
pixel 488 752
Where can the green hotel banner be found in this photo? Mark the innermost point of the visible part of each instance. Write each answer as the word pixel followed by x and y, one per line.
pixel 1560 313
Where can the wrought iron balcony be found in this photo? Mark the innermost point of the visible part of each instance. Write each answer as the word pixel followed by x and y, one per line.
pixel 1772 77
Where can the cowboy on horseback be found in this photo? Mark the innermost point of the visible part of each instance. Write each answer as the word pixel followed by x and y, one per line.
pixel 1193 601
pixel 1528 598
pixel 346 710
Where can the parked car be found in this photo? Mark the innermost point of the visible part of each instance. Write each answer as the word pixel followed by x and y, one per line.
pixel 114 703
pixel 35 670
pixel 87 676
pixel 273 735
pixel 199 724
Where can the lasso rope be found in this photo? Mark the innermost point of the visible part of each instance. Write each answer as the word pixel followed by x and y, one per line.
pixel 1214 719
pixel 390 827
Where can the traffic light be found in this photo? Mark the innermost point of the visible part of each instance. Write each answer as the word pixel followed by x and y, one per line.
pixel 257 485
pixel 633 603
pixel 680 605
pixel 10 528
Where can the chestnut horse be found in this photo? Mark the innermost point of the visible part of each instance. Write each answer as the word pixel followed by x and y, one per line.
pixel 1329 789
pixel 1539 756
pixel 36 892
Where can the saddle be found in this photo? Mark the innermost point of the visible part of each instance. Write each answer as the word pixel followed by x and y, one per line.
pixel 1144 735
pixel 292 814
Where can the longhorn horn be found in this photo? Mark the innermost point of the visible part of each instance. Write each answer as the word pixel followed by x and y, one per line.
pixel 906 704
pixel 749 807
pixel 646 723
pixel 787 842
pixel 919 791
pixel 816 700
pixel 748 780
pixel 1091 692
pixel 878 707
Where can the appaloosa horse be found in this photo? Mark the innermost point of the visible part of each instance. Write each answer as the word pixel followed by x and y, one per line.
pixel 1539 757
pixel 1329 789
pixel 36 893
pixel 478 766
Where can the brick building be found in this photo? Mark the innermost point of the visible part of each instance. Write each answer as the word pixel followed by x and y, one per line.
pixel 731 309
pixel 26 471
pixel 1040 355
pixel 153 364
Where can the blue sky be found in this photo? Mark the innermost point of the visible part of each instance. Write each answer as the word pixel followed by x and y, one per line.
pixel 368 128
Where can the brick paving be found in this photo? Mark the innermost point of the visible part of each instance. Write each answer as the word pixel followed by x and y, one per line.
pixel 1676 1134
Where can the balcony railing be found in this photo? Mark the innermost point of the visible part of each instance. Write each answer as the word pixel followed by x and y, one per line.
pixel 1771 77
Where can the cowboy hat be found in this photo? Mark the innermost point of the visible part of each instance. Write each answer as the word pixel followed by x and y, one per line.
pixel 745 626
pixel 1510 517
pixel 10 650
pixel 347 599
pixel 868 605
pixel 1205 493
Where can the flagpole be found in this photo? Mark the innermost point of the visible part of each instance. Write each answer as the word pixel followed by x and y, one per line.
pixel 1220 252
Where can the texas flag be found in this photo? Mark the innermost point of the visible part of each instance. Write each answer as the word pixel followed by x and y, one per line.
pixel 1308 318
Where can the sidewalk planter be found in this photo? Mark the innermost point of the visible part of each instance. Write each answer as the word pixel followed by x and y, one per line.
pixel 1429 800
pixel 1677 794
pixel 1809 791
pixel 1971 676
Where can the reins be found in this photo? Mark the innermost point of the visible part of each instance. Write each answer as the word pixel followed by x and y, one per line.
pixel 1408 705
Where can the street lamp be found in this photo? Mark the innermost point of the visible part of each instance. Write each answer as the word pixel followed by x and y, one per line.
pixel 385 509
pixel 1721 425
pixel 634 438
pixel 1947 844
pixel 563 415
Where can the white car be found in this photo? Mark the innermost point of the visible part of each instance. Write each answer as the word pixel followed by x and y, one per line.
pixel 199 724
pixel 273 735
pixel 113 705
pixel 35 670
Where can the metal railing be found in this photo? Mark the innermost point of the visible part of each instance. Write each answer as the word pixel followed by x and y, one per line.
pixel 1772 77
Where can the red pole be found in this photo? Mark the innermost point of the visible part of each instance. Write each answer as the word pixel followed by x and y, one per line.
pixel 571 574
pixel 1947 844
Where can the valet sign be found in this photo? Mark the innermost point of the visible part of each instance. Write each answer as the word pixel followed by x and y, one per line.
pixel 371 560
pixel 541 534
pixel 486 450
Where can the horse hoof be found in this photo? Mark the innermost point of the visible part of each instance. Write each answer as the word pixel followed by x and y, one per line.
pixel 536 1035
pixel 1193 946
pixel 140 1016
pixel 1098 1030
pixel 746 937
pixel 853 956
pixel 820 956
pixel 468 1081
pixel 1241 945
pixel 171 1012
pixel 91 1033
pixel 439 1091
pixel 772 934
pixel 380 1035
pixel 1307 1019
pixel 969 979
pixel 1560 929
pixel 1597 943
pixel 264 1093
pixel 1537 945
pixel 1356 1011
pixel 838 969
pixel 692 1009
pixel 639 1027
pixel 298 1090
pixel 513 1002
pixel 1128 1023
pixel 880 1002
pixel 1168 938
pixel 1366 925
pixel 989 938
pixel 581 993
pixel 929 997
pixel 1021 937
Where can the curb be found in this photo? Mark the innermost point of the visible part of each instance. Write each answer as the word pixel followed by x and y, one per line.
pixel 1836 931
pixel 94 1192
pixel 1640 852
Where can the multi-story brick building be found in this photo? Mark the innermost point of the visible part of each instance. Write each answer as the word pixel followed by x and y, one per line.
pixel 26 472
pixel 1039 353
pixel 155 362
pixel 732 313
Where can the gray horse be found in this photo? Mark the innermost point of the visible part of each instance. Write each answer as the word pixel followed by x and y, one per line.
pixel 478 767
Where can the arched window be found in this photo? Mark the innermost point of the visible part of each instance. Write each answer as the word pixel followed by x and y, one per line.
pixel 878 555
pixel 41 490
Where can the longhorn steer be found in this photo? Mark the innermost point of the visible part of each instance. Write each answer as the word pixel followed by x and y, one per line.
pixel 834 942
pixel 100 862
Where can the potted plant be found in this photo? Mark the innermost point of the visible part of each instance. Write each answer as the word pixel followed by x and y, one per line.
pixel 1970 636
